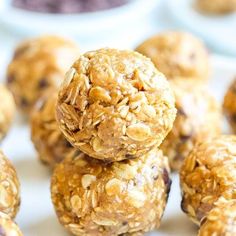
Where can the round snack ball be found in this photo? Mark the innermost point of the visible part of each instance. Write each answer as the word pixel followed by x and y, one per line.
pixel 8 227
pixel 230 105
pixel 97 198
pixel 9 188
pixel 115 105
pixel 7 110
pixel 177 54
pixel 221 220
pixel 207 174
pixel 216 6
pixel 48 139
pixel 38 67
pixel 198 117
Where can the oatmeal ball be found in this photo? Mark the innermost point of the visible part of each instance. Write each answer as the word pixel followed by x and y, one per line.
pixel 103 199
pixel 198 117
pixel 216 6
pixel 207 174
pixel 221 220
pixel 7 110
pixel 9 188
pixel 115 105
pixel 177 54
pixel 8 227
pixel 38 67
pixel 230 105
pixel 48 139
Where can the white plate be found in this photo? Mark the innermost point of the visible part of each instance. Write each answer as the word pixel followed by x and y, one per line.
pixel 37 217
pixel 74 24
pixel 218 31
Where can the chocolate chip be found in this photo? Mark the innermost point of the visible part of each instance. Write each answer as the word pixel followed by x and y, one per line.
pixel 167 181
pixel 68 6
pixel 128 156
pixel 166 177
pixel 181 112
pixel 43 83
pixel 24 102
pixel 2 231
pixel 10 78
pixel 184 138
pixel 233 118
pixel 182 206
pixel 67 144
pixel 124 223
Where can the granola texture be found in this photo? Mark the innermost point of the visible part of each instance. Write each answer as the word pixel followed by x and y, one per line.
pixel 221 220
pixel 207 174
pixel 7 111
pixel 38 67
pixel 8 227
pixel 216 6
pixel 177 54
pixel 115 105
pixel 92 197
pixel 198 117
pixel 230 105
pixel 9 188
pixel 47 138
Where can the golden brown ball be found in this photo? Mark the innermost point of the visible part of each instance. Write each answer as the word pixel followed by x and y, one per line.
pixel 207 174
pixel 115 105
pixel 177 54
pixel 38 67
pixel 48 139
pixel 107 199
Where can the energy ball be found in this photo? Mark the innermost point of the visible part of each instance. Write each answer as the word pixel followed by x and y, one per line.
pixel 38 67
pixel 9 188
pixel 198 117
pixel 97 198
pixel 216 6
pixel 221 220
pixel 8 227
pixel 207 174
pixel 177 54
pixel 115 105
pixel 48 139
pixel 230 105
pixel 7 111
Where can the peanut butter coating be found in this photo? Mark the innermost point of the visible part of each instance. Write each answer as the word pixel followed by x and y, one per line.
pixel 38 68
pixel 230 105
pixel 221 220
pixel 8 227
pixel 198 117
pixel 177 54
pixel 7 111
pixel 207 174
pixel 115 105
pixel 9 188
pixel 48 139
pixel 105 199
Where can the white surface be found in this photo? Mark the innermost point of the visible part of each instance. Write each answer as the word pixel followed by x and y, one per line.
pixel 37 217
pixel 218 31
pixel 76 24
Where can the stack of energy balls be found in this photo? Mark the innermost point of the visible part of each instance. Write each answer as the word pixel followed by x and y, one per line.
pixel 111 124
pixel 9 182
pixel 115 108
